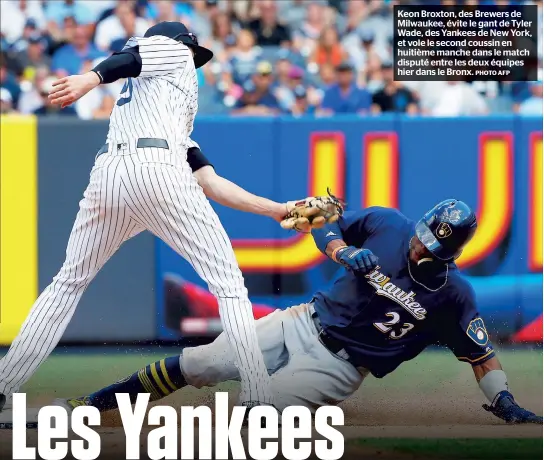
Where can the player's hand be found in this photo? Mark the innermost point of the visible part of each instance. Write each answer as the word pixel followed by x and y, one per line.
pixel 508 410
pixel 68 90
pixel 312 212
pixel 356 259
pixel 278 211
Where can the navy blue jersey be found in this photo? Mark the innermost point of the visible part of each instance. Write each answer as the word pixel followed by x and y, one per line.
pixel 387 317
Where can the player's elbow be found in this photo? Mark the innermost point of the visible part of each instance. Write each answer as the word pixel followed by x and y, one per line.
pixel 207 178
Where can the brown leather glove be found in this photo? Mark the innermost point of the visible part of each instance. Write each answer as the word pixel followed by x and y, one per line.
pixel 312 212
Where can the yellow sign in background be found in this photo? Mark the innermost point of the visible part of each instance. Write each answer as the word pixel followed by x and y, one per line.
pixel 18 223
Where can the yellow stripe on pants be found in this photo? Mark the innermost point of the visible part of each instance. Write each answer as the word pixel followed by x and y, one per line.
pixel 18 223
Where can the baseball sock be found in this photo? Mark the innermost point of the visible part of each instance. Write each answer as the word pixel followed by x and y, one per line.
pixel 158 379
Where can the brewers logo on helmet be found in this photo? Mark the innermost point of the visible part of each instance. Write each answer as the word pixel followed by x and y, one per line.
pixel 443 230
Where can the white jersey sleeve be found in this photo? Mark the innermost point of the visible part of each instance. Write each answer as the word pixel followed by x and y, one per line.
pixel 160 55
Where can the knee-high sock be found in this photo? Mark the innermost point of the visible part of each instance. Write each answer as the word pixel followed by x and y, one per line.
pixel 158 379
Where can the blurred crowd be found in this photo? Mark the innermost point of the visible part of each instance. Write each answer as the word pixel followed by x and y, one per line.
pixel 296 57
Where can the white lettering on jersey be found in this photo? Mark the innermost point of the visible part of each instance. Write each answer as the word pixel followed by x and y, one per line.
pixel 385 288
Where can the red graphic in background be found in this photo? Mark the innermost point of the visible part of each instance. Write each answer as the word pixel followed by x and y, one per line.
pixel 193 310
pixel 530 333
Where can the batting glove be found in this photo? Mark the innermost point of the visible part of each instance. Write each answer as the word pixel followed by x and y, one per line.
pixel 507 409
pixel 356 259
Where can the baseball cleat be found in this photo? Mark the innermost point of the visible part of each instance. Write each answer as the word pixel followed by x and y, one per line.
pixel 6 414
pixel 6 402
pixel 72 403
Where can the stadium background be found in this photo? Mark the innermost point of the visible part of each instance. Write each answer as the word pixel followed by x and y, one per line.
pixel 271 120
pixel 147 292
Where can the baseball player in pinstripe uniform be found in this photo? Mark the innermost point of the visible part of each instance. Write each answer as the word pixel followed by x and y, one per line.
pixel 142 180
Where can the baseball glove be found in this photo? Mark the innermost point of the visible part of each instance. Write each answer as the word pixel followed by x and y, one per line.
pixel 312 212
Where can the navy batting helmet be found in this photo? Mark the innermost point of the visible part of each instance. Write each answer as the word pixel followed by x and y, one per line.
pixel 447 228
pixel 178 31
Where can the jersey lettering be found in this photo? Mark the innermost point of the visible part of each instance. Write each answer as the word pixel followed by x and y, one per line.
pixel 384 287
pixel 127 88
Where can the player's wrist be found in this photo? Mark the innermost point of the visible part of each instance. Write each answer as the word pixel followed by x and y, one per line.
pixel 279 211
pixel 337 252
pixel 94 78
pixel 493 384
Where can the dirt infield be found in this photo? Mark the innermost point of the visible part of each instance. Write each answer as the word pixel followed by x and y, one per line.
pixel 496 431
pixel 376 404
pixel 113 439
pixel 433 397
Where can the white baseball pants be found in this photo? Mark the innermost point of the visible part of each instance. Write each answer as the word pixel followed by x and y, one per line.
pixel 152 189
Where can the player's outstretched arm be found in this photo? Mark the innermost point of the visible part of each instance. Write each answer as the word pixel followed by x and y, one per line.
pixel 467 337
pixel 493 383
pixel 314 211
pixel 229 194
pixel 124 64
pixel 68 90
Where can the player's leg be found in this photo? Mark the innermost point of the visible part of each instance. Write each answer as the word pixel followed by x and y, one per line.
pixel 179 213
pixel 315 380
pixel 313 376
pixel 101 225
pixel 303 371
pixel 200 366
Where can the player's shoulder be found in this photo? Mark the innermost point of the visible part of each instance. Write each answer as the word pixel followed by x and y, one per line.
pixel 377 219
pixel 389 218
pixel 391 214
pixel 153 42
pixel 378 213
pixel 459 289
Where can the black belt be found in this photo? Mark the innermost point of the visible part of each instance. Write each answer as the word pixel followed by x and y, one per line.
pixel 142 142
pixel 330 343
pixel 333 345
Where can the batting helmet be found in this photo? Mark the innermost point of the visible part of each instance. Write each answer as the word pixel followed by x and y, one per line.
pixel 447 228
pixel 178 31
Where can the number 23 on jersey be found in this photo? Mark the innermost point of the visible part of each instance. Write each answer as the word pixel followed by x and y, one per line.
pixel 392 327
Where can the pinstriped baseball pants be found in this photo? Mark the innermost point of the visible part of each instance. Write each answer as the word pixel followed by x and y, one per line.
pixel 152 190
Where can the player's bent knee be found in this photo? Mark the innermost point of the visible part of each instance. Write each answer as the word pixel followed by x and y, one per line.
pixel 233 287
pixel 229 292
pixel 208 365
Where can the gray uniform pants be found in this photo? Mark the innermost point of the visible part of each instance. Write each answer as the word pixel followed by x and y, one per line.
pixel 304 372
